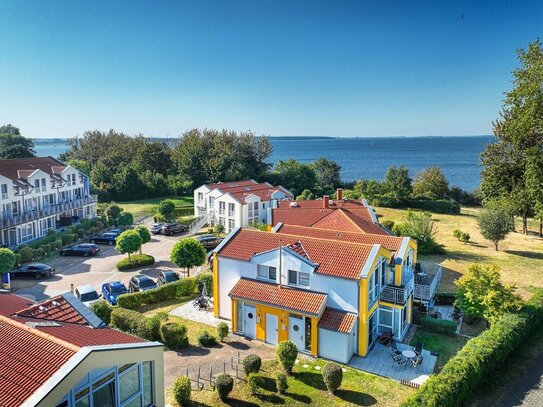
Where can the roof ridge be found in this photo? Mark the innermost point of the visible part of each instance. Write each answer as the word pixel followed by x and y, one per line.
pixel 337 231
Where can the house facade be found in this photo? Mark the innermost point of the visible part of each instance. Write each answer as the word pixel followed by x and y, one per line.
pixel 318 291
pixel 59 354
pixel 236 204
pixel 36 194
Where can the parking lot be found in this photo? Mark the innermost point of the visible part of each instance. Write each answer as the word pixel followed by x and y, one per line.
pixel 96 270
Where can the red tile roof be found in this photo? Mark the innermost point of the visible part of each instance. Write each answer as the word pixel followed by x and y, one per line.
pixel 232 184
pixel 242 189
pixel 11 303
pixel 23 167
pixel 304 301
pixel 302 217
pixel 334 258
pixel 318 203
pixel 55 309
pixel 336 320
pixel 391 243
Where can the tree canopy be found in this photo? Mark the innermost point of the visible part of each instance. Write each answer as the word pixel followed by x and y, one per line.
pixel 145 235
pixel 431 183
pixel 294 175
pixel 398 183
pixel 7 261
pixel 128 242
pixel 13 144
pixel 125 219
pixel 495 222
pixel 188 253
pixel 166 208
pixel 327 176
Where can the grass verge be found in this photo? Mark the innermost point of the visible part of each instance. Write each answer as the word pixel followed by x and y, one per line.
pixel 446 346
pixel 148 207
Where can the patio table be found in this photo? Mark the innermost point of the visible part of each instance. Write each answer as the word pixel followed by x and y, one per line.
pixel 409 354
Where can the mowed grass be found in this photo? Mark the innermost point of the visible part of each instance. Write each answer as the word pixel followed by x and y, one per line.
pixel 446 346
pixel 306 387
pixel 520 257
pixel 148 207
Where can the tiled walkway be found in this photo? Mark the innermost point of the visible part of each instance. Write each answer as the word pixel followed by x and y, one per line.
pixel 379 362
pixel 188 311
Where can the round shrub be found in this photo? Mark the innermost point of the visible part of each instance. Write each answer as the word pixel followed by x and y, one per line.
pixel 67 238
pixel 27 254
pixel 46 248
pixel 252 364
pixel 224 385
pixel 98 225
pixel 281 382
pixel 57 243
pixel 80 232
pixel 136 260
pixel 154 324
pixel 102 309
pixel 222 331
pixel 287 353
pixel 206 340
pixel 253 381
pixel 332 374
pixel 17 259
pixel 51 232
pixel 181 390
pixel 174 335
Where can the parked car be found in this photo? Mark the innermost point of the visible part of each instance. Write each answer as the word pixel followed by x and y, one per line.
pixel 141 283
pixel 33 270
pixel 171 228
pixel 104 238
pixel 111 291
pixel 209 241
pixel 83 249
pixel 156 228
pixel 86 294
pixel 167 276
pixel 116 231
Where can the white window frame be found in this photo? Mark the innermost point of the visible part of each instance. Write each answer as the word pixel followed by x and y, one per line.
pixel 267 271
pixel 297 283
pixel 222 207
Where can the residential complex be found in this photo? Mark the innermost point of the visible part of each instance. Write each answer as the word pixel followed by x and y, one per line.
pixel 39 194
pixel 58 353
pixel 236 204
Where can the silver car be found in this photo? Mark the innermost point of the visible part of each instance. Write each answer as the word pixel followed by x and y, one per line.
pixel 156 228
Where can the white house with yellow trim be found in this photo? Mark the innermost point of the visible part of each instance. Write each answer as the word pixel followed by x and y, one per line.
pixel 330 293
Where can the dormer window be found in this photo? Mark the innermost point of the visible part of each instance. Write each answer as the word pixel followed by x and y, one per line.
pixel 266 272
pixel 298 278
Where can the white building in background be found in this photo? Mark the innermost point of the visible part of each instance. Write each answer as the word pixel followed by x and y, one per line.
pixel 236 204
pixel 38 193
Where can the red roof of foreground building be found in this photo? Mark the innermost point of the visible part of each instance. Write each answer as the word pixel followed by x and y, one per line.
pixel 333 258
pixel 319 203
pixel 56 309
pixel 336 320
pixel 304 301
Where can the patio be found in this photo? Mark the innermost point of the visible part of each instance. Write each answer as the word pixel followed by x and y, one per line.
pixel 192 313
pixel 379 362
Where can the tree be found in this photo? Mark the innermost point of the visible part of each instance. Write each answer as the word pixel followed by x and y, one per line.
pixel 327 173
pixel 166 208
pixel 80 165
pixel 219 229
pixel 188 253
pixel 113 211
pixel 128 242
pixel 305 195
pixel 144 235
pixel 421 227
pixel 287 352
pixel 495 222
pixel 7 261
pixel 481 293
pixel 13 145
pixel 534 184
pixel 431 183
pixel 397 183
pixel 295 176
pixel 125 219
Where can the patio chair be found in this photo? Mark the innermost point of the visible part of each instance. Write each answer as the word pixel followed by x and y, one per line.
pixel 418 348
pixel 394 348
pixel 417 361
pixel 399 360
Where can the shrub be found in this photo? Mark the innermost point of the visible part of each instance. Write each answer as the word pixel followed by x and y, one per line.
pixel 252 364
pixel 209 231
pixel 174 335
pixel 17 259
pixel 387 223
pixel 181 390
pixel 224 385
pixel 103 310
pixel 67 238
pixel 99 225
pixel 332 374
pixel 222 331
pixel 287 353
pixel 446 206
pixel 58 244
pixel 177 290
pixel 464 237
pixel 159 218
pixel 80 233
pixel 206 340
pixel 85 223
pixel 46 248
pixel 281 382
pixel 387 201
pixel 252 382
pixel 51 233
pixel 207 279
pixel 441 326
pixel 38 253
pixel 445 298
pixel 457 233
pixel 132 322
pixel 136 260
pixel 26 254
pixel 154 324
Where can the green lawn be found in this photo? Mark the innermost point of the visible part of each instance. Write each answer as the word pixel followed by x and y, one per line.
pixel 306 387
pixel 446 346
pixel 148 207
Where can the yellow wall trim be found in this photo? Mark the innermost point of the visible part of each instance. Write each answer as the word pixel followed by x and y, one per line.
pixel 216 286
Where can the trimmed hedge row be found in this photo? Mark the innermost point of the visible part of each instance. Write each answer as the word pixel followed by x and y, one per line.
pixel 179 289
pixel 440 326
pixel 136 260
pixel 135 323
pixel 446 206
pixel 480 359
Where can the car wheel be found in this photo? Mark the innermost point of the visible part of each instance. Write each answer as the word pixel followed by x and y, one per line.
pixel 52 272
pixel 110 243
pixel 37 276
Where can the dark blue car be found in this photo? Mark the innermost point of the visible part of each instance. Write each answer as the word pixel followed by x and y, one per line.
pixel 111 291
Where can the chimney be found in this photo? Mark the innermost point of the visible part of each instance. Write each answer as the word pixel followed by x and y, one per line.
pixel 339 194
pixel 325 201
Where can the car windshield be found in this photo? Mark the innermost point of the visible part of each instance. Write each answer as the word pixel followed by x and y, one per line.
pixel 146 283
pixel 41 266
pixel 89 296
pixel 118 290
pixel 171 277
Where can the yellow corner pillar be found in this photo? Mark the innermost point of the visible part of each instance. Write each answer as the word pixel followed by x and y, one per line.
pixel 234 315
pixel 314 336
pixel 215 285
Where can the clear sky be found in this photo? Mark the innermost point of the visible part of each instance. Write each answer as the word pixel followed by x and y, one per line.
pixel 282 68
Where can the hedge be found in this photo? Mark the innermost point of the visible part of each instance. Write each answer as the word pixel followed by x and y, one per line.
pixel 179 289
pixel 174 335
pixel 440 326
pixel 445 298
pixel 133 322
pixel 183 211
pixel 103 310
pixel 446 206
pixel 481 359
pixel 136 260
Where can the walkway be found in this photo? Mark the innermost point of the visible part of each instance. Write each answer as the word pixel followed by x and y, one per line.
pixel 190 312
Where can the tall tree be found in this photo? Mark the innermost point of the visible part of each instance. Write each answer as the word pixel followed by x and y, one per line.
pixel 188 253
pixel 295 176
pixel 128 242
pixel 495 222
pixel 13 144
pixel 327 173
pixel 397 183
pixel 432 183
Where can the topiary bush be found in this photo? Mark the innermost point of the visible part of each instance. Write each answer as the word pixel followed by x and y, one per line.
pixel 440 326
pixel 206 340
pixel 174 335
pixel 136 260
pixel 27 254
pixel 222 331
pixel 103 310
pixel 181 390
pixel 252 364
pixel 224 385
pixel 287 353
pixel 281 382
pixel 17 259
pixel 332 374
pixel 253 382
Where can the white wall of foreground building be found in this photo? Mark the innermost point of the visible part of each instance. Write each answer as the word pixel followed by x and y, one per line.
pixel 94 364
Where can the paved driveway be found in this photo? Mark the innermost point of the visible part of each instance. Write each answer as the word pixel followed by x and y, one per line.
pixel 95 270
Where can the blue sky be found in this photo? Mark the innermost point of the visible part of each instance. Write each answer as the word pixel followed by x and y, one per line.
pixel 281 68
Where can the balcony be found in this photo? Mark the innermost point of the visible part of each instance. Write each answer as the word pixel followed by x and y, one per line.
pixel 427 279
pixel 398 295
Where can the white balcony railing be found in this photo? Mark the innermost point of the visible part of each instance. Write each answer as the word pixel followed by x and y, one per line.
pixel 427 281
pixel 397 295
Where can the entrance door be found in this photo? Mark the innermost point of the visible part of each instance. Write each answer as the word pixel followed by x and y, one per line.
pixel 271 329
pixel 296 331
pixel 249 321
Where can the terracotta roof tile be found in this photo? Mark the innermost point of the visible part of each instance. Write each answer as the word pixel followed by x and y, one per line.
pixel 336 320
pixel 318 203
pixel 11 303
pixel 232 184
pixel 304 301
pixel 55 309
pixel 299 216
pixel 11 168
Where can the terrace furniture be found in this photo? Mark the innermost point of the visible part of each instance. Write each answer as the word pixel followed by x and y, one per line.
pixel 418 348
pixel 385 338
pixel 394 348
pixel 409 354
pixel 399 360
pixel 201 303
pixel 417 361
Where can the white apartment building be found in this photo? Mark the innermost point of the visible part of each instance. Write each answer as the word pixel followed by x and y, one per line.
pixel 236 204
pixel 37 194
